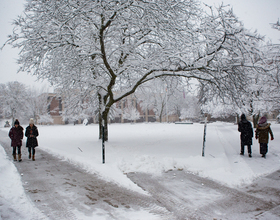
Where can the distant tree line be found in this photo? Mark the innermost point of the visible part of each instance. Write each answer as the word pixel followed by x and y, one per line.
pixel 18 101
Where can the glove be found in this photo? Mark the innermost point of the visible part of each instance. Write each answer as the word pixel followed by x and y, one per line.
pixel 272 138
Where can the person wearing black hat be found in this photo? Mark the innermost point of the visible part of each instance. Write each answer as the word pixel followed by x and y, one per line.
pixel 246 130
pixel 16 135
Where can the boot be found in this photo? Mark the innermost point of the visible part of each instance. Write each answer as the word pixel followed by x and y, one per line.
pixel 29 156
pixel 19 158
pixel 33 157
pixel 250 155
pixel 15 157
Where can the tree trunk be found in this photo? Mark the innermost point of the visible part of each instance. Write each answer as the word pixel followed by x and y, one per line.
pixel 237 118
pixel 103 118
pixel 161 114
pixel 13 117
pixel 105 124
pixel 100 116
pixel 100 125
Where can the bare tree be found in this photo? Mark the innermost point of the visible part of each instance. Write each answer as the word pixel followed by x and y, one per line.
pixel 37 103
pixel 154 96
pixel 165 96
pixel 79 103
pixel 13 98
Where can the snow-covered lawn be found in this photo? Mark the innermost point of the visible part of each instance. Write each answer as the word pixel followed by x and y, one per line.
pixel 155 148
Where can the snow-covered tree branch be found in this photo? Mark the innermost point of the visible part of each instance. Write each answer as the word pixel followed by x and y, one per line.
pixel 110 46
pixel 276 25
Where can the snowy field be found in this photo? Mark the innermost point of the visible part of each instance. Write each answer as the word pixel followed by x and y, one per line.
pixel 151 148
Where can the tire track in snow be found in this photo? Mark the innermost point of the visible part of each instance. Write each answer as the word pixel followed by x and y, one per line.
pixel 232 150
pixel 252 168
pixel 231 147
pixel 182 194
pixel 61 190
pixel 188 196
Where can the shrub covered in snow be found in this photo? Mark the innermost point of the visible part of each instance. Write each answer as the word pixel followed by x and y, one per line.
pixel 45 119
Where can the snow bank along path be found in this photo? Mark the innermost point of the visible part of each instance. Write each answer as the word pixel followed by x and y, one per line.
pixel 14 204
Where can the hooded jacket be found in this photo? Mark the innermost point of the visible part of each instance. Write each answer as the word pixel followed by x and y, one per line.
pixel 245 127
pixel 262 132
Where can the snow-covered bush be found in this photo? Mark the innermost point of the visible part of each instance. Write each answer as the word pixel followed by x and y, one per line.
pixel 278 119
pixel 131 114
pixel 45 119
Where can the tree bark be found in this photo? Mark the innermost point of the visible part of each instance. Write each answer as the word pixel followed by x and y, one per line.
pixel 105 124
pixel 100 125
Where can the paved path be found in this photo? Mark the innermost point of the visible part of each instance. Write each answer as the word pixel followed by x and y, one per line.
pixel 187 195
pixel 61 190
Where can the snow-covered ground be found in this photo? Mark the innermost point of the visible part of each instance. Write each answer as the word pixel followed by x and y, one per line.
pixel 151 148
pixel 14 204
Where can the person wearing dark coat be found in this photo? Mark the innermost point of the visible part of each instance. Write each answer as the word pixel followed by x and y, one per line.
pixel 262 131
pixel 246 130
pixel 31 133
pixel 16 135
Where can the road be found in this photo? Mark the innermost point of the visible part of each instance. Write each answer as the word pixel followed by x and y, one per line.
pixel 61 189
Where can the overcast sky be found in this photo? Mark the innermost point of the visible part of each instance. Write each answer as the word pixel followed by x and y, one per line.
pixel 255 15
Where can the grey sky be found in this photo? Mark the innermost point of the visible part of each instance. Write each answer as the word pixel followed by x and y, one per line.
pixel 255 14
pixel 9 10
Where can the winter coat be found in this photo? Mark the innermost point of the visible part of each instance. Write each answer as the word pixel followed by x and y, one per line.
pixel 262 132
pixel 31 141
pixel 16 135
pixel 245 127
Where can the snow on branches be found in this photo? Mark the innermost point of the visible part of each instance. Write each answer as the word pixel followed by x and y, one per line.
pixel 112 47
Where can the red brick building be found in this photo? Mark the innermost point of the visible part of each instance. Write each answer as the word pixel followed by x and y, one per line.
pixel 55 108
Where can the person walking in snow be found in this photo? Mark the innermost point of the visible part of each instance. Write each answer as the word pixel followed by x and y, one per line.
pixel 31 133
pixel 246 130
pixel 262 131
pixel 16 135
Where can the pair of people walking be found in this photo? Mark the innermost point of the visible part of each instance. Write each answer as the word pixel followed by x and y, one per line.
pixel 262 133
pixel 16 135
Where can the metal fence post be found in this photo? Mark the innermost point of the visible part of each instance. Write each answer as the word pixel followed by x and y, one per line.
pixel 204 136
pixel 103 142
